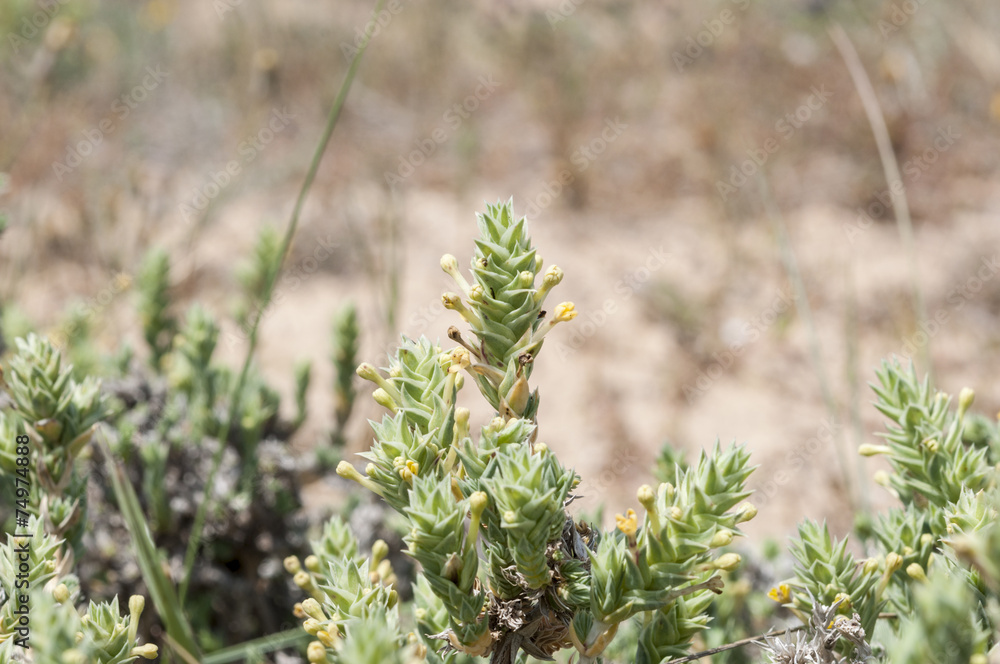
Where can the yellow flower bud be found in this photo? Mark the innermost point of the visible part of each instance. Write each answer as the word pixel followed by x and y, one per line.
pixel 303 580
pixel 74 656
pixel 383 399
pixel 349 472
pixel 449 263
pixel 462 422
pixel 147 651
pixel 916 572
pixel 553 276
pixel 312 609
pixel 646 497
pixel 867 449
pixel 312 563
pixel 478 501
pixel 728 562
pixel 316 653
pixel 136 603
pixel 292 564
pixel 518 395
pixel 368 371
pixel 61 593
pixel 893 561
pixel 870 566
pixel 965 399
pixel 326 639
pixel 379 552
pixel 881 478
pixel 312 626
pixel 932 445
pixel 747 511
pixel 721 538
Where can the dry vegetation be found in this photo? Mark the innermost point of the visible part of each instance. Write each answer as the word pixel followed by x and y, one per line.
pixel 169 94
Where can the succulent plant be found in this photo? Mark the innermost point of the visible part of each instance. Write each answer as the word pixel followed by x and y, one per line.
pixel 504 566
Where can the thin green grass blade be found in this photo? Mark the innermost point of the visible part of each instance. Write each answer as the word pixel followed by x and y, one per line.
pixel 261 646
pixel 199 521
pixel 162 591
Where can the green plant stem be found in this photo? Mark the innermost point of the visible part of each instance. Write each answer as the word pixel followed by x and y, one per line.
pixel 815 354
pixel 178 630
pixel 891 169
pixel 266 644
pixel 293 222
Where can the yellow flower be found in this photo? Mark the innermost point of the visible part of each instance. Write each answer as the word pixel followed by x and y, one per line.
pixel 781 594
pixel 409 471
pixel 628 524
pixel 564 312
pixel 459 360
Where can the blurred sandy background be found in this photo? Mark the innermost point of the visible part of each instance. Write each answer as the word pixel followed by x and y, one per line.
pixel 615 126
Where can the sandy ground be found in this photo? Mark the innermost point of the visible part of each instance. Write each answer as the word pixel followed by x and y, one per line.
pixel 690 329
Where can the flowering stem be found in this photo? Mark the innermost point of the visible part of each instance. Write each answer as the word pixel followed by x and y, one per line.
pixel 199 522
